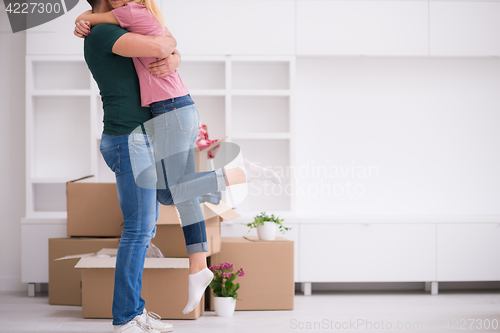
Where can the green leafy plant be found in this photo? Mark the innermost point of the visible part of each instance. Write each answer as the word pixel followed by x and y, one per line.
pixel 222 283
pixel 263 217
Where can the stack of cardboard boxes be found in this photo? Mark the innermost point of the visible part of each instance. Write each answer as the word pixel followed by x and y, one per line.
pixel 94 226
pixel 95 222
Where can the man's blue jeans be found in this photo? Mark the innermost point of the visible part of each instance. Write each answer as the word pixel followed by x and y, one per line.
pixel 140 213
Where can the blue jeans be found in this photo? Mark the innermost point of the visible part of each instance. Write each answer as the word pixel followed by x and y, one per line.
pixel 140 213
pixel 176 123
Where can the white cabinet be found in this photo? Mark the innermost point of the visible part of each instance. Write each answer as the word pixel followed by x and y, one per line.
pixel 254 27
pixel 380 28
pixel 35 247
pixel 464 28
pixel 56 36
pixel 376 252
pixel 468 252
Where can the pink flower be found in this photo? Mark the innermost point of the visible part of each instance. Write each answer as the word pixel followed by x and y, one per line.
pixel 222 284
pixel 229 275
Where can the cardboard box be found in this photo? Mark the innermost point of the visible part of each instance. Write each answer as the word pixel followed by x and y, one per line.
pixel 64 279
pixel 169 234
pixel 93 209
pixel 201 156
pixel 268 283
pixel 165 284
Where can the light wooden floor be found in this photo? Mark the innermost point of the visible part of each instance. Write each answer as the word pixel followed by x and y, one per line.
pixel 19 313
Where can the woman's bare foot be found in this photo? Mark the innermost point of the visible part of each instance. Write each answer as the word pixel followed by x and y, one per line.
pixel 248 172
pixel 235 176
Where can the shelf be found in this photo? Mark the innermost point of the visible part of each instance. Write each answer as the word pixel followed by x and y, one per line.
pixel 207 92
pixel 212 111
pixel 71 75
pixel 50 180
pixel 61 92
pixel 260 75
pixel 47 215
pixel 261 92
pixel 262 114
pixel 244 136
pixel 203 75
pixel 61 143
pixel 49 197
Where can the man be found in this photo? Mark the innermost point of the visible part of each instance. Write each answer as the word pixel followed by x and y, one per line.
pixel 106 51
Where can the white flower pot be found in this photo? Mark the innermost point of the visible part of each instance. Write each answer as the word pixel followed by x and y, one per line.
pixel 267 231
pixel 224 306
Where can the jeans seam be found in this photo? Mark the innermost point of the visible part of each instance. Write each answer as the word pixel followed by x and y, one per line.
pixel 136 235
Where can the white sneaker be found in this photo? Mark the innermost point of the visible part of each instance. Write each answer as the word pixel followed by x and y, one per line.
pixel 154 320
pixel 136 325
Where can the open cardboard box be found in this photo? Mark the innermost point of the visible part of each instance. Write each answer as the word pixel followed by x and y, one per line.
pixel 165 284
pixel 64 280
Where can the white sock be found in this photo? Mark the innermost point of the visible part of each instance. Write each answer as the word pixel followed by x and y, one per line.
pixel 198 282
pixel 255 172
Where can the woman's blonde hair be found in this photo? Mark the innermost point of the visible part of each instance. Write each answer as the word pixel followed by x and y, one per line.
pixel 152 6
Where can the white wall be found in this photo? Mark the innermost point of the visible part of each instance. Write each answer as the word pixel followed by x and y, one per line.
pixel 12 178
pixel 425 130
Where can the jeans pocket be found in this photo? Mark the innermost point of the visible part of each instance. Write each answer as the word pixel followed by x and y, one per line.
pixel 111 156
pixel 187 117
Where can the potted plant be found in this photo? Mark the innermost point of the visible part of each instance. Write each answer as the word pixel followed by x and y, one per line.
pixel 267 226
pixel 224 290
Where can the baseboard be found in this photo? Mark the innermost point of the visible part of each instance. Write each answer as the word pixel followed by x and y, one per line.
pixel 12 283
pixel 399 286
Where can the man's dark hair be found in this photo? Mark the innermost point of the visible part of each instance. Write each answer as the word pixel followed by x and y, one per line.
pixel 94 4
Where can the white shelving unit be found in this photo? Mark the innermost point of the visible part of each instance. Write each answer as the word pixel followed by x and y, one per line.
pixel 59 118
pixel 64 114
pixel 249 99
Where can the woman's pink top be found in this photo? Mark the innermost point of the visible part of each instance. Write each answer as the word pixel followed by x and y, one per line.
pixel 138 19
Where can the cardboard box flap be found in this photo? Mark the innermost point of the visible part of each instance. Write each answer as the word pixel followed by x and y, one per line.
pixel 213 145
pixel 75 256
pixel 222 209
pixel 82 178
pixel 93 262
pixel 109 252
pixel 170 215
